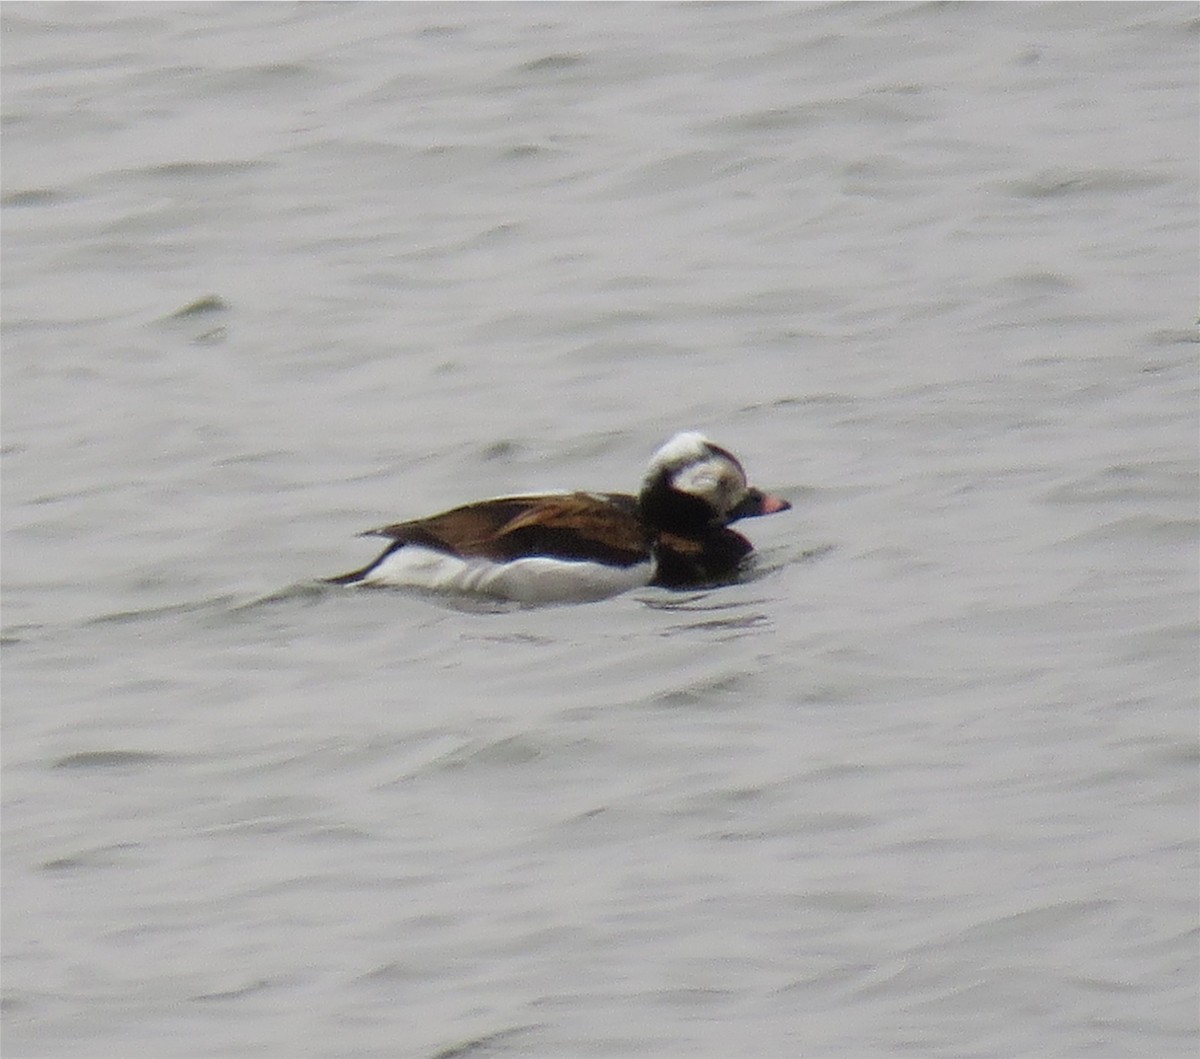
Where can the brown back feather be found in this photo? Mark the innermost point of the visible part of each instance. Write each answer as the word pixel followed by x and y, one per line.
pixel 574 526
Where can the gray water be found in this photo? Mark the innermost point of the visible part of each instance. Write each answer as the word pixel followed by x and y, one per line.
pixel 924 783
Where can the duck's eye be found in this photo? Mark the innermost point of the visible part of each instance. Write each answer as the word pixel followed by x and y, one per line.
pixel 713 480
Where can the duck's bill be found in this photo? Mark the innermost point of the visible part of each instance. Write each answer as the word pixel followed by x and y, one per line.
pixel 756 502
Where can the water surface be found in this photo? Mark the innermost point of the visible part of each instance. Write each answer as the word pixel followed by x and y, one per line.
pixel 923 783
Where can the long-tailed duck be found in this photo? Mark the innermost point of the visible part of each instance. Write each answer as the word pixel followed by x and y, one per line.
pixel 560 547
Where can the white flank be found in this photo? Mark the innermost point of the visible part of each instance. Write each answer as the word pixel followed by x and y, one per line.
pixel 533 580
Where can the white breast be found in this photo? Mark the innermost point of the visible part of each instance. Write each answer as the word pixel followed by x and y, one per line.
pixel 533 580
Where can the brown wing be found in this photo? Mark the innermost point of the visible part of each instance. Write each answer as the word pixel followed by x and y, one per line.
pixel 580 526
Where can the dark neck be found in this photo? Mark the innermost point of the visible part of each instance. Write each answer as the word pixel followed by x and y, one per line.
pixel 666 509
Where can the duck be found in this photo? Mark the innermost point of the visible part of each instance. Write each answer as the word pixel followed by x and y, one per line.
pixel 580 546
